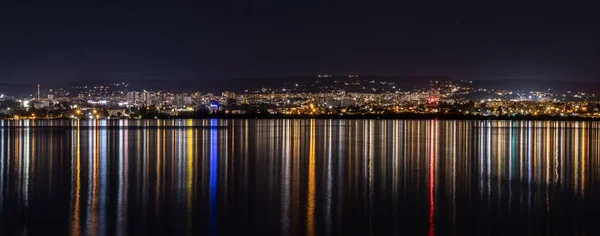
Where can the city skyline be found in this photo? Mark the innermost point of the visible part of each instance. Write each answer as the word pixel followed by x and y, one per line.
pixel 323 96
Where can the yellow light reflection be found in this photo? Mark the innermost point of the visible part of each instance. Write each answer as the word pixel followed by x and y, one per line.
pixel 76 227
pixel 311 201
pixel 190 169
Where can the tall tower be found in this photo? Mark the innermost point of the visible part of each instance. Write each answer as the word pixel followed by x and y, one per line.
pixel 38 95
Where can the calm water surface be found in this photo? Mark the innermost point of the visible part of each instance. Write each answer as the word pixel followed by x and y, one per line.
pixel 299 177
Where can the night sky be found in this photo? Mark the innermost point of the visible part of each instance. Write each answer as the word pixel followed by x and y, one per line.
pixel 198 41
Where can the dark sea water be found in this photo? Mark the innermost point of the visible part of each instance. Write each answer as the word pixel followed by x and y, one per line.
pixel 299 177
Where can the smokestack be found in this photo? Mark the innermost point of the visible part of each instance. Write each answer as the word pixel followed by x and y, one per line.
pixel 38 97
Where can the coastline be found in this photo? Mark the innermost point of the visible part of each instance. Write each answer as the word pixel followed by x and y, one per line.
pixel 346 117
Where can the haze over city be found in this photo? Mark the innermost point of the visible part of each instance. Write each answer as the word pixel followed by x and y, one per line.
pixel 199 41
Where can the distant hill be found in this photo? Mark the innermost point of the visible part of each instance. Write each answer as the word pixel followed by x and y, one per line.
pixel 538 85
pixel 316 84
pixel 372 84
pixel 14 89
pixel 295 83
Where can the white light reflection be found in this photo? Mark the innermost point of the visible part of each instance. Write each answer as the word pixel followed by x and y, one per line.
pixel 329 185
pixel 103 194
pixel 286 181
pixel 121 214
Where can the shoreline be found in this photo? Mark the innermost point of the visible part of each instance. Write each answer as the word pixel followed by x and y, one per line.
pixel 345 117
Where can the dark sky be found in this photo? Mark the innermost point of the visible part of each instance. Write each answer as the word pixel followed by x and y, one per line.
pixel 80 41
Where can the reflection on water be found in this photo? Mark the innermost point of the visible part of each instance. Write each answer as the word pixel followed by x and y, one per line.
pixel 299 177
